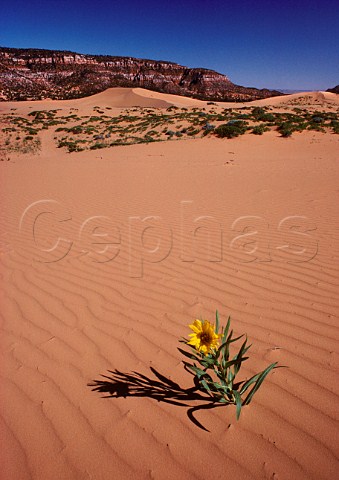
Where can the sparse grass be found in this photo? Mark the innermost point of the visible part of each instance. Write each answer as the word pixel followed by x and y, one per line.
pixel 76 132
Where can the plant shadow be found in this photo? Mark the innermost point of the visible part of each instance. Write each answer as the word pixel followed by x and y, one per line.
pixel 162 389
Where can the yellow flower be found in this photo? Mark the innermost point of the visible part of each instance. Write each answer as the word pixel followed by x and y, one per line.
pixel 204 337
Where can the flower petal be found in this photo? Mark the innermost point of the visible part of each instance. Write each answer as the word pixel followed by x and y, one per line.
pixel 195 328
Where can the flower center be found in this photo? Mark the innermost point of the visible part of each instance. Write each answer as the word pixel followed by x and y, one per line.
pixel 205 338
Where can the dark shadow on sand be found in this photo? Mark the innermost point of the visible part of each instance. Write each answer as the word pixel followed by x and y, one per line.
pixel 135 384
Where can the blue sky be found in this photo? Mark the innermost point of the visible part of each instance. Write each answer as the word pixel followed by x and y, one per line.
pixel 274 44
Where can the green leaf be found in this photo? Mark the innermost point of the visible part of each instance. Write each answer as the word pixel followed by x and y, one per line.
pixel 206 362
pixel 229 340
pixel 252 380
pixel 238 403
pixel 225 347
pixel 235 339
pixel 237 361
pixel 197 371
pixel 210 386
pixel 216 321
pixel 225 333
pixel 242 348
pixel 240 357
pixel 220 388
pixel 247 348
pixel 220 376
pixel 205 385
pixel 261 377
pixel 230 377
pixel 249 382
pixel 190 367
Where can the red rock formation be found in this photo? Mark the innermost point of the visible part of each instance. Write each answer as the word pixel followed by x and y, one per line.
pixel 36 74
pixel 334 89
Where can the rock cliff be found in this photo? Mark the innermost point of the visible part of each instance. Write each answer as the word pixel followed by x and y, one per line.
pixel 333 90
pixel 33 74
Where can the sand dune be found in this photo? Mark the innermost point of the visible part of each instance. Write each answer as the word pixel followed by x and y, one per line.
pixel 68 319
pixel 306 99
pixel 140 97
pixel 112 97
pixel 128 97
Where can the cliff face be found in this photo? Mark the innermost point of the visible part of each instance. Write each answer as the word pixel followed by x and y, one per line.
pixel 36 74
pixel 334 89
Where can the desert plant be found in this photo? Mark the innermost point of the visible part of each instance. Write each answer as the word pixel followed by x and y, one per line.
pixel 317 119
pixel 214 369
pixel 97 146
pixel 257 112
pixel 259 129
pixel 231 129
pixel 193 132
pixel 208 127
pixel 286 129
pixel 335 126
pixel 267 117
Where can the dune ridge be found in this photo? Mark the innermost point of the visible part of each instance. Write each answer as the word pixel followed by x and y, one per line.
pixel 120 97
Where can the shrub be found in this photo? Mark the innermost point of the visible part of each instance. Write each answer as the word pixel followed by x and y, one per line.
pixel 147 139
pixel 231 130
pixel 316 127
pixel 245 116
pixel 267 117
pixel 316 119
pixel 286 129
pixel 260 115
pixel 75 130
pixel 97 146
pixel 259 129
pixel 71 146
pixel 258 112
pixel 193 132
pixel 335 126
pixel 237 122
pixel 208 127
